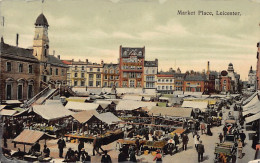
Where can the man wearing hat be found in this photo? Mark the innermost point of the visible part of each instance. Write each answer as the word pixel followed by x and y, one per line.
pixel 185 140
pixel 201 150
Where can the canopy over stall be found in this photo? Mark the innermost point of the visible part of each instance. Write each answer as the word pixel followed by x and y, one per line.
pixel 252 102
pixel 50 112
pixel 132 105
pixel 108 118
pixel 252 118
pixel 253 110
pixel 249 98
pixel 80 106
pixel 171 111
pixel 195 104
pixel 84 116
pixel 6 112
pixel 29 137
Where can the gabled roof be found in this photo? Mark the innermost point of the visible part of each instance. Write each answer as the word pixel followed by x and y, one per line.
pixel 127 51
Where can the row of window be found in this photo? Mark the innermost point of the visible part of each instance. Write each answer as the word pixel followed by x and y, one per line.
pixel 132 84
pixel 57 71
pixel 178 83
pixel 90 83
pixel 111 84
pixel 132 67
pixel 111 71
pixel 150 85
pixel 150 78
pixel 20 89
pixel 164 87
pixel 20 66
pixel 190 84
pixel 132 75
pixel 147 72
pixel 132 59
pixel 90 75
pixel 189 89
pixel 111 77
pixel 165 80
pixel 83 68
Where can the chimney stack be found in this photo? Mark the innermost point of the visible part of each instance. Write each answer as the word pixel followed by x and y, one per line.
pixel 72 60
pixel 86 60
pixel 2 39
pixel 53 52
pixel 17 39
pixel 58 56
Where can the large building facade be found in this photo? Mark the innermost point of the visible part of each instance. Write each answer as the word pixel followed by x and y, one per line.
pixel 150 74
pixel 131 67
pixel 25 71
pixel 165 82
pixel 111 75
pixel 84 73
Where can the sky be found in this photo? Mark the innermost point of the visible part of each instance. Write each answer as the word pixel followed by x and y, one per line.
pixel 94 30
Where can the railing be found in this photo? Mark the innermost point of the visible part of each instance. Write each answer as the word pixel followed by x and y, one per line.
pixel 36 97
pixel 50 95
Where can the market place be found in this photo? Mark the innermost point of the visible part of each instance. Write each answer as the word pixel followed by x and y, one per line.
pixel 132 127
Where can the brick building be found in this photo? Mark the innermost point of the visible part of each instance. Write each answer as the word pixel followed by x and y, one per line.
pixel 24 70
pixel 131 67
pixel 111 75
pixel 225 82
pixel 195 83
pixel 178 80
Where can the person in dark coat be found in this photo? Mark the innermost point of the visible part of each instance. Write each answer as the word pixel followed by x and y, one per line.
pixel 85 158
pixel 122 156
pixel 46 151
pixel 185 140
pixel 220 138
pixel 242 136
pixel 5 136
pixel 225 129
pixel 80 147
pixel 254 141
pixel 132 156
pixel 106 158
pixel 201 150
pixel 69 155
pixel 37 147
pixel 176 139
pixel 61 144
pixel 208 130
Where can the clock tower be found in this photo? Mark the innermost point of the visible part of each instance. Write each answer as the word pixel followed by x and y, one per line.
pixel 41 46
pixel 41 40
